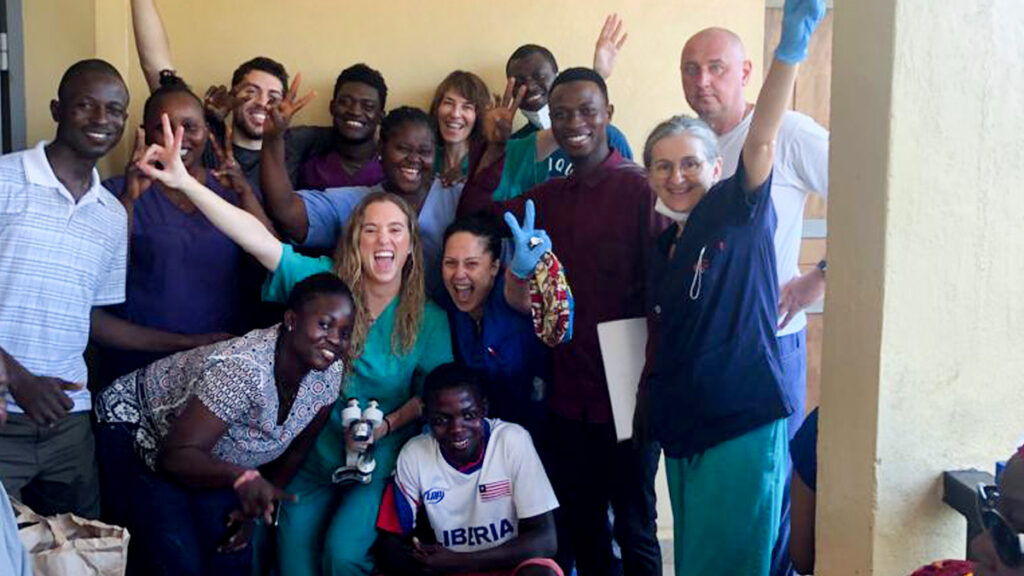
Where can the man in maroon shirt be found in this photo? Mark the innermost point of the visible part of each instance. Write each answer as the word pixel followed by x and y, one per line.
pixel 599 218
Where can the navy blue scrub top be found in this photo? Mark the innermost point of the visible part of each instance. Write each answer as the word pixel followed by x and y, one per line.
pixel 713 309
pixel 508 352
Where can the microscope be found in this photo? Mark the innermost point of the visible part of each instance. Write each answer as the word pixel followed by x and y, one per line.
pixel 359 465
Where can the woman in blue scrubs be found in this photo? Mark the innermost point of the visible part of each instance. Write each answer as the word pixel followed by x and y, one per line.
pixel 489 312
pixel 713 389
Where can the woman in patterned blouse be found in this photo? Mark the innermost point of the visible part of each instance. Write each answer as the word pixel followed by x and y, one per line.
pixel 217 430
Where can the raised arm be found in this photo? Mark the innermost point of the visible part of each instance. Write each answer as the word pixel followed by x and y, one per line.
pixel 497 126
pixel 243 228
pixel 284 206
pixel 534 266
pixel 800 20
pixel 229 174
pixel 609 42
pixel 151 41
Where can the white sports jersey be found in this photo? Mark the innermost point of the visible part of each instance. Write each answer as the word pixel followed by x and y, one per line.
pixel 800 168
pixel 470 511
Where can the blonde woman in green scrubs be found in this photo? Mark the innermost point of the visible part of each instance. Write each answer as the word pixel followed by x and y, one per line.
pixel 399 337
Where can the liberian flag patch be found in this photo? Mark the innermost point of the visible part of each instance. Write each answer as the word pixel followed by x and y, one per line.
pixel 495 490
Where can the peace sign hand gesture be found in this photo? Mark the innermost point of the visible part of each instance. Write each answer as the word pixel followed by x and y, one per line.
pixel 280 115
pixel 229 171
pixel 609 42
pixel 163 162
pixel 498 119
pixel 530 244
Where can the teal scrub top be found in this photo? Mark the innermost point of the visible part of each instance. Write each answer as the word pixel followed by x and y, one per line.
pixel 521 171
pixel 379 372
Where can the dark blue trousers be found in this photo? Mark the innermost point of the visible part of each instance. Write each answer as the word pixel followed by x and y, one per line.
pixel 793 361
pixel 174 530
pixel 590 470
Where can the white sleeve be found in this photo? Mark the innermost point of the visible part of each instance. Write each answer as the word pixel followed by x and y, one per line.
pixel 808 155
pixel 532 494
pixel 407 478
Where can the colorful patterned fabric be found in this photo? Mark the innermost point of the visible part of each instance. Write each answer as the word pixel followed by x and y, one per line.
pixel 234 379
pixel 551 301
pixel 946 568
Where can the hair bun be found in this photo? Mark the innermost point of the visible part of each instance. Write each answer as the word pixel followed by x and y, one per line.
pixel 170 78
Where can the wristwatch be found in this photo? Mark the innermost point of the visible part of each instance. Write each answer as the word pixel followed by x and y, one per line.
pixel 823 266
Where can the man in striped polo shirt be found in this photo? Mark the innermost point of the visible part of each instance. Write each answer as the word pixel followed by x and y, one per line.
pixel 63 248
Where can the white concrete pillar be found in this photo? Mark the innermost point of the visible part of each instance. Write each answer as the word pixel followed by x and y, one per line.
pixel 924 345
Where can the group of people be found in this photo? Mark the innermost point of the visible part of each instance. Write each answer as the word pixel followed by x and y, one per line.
pixel 247 281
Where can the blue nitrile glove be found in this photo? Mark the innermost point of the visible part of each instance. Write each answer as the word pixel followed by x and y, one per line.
pixel 800 18
pixel 530 244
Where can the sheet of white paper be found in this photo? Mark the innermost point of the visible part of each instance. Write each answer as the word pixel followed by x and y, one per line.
pixel 623 343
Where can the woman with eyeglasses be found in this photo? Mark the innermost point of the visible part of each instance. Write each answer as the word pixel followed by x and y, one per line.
pixel 713 391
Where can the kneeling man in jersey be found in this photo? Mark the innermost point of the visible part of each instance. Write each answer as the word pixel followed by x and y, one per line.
pixel 470 496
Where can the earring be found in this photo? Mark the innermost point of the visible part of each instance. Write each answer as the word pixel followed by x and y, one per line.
pixel 287 327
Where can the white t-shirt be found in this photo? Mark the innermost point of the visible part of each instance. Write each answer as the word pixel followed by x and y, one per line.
pixel 801 168
pixel 479 510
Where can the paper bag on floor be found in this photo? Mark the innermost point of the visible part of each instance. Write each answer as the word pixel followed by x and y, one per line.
pixel 66 545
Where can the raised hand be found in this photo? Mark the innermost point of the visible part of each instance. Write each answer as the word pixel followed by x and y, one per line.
pixel 280 115
pixel 135 181
pixel 229 171
pixel 219 101
pixel 163 162
pixel 530 244
pixel 609 42
pixel 800 18
pixel 497 125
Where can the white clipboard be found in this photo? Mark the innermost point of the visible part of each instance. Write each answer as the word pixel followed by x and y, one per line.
pixel 623 352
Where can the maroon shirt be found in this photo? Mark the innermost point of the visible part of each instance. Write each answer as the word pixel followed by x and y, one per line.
pixel 325 171
pixel 599 226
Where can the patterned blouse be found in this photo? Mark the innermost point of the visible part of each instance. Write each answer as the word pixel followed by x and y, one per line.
pixel 234 379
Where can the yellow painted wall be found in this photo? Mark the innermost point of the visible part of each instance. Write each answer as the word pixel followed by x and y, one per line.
pixel 414 44
pixel 57 34
pixel 922 356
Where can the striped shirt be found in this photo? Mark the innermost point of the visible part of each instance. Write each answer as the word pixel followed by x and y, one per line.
pixel 58 259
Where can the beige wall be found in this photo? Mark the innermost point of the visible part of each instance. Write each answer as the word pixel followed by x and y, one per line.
pixel 923 342
pixel 57 33
pixel 414 44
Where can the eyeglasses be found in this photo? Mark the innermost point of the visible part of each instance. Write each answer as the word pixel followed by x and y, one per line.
pixel 1009 543
pixel 690 166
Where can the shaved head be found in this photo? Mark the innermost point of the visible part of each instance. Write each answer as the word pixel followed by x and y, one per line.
pixel 715 69
pixel 720 36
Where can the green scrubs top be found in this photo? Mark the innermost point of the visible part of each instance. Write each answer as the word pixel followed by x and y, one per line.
pixel 520 171
pixel 379 372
